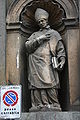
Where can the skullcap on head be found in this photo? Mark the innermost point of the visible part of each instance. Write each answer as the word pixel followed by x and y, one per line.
pixel 40 13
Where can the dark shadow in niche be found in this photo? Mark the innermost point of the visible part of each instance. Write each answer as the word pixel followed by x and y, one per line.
pixel 64 97
pixel 26 99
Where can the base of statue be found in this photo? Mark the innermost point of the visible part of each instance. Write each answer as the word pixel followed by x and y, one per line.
pixel 44 109
pixel 50 116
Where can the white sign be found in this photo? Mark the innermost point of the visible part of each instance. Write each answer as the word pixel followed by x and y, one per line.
pixel 10 102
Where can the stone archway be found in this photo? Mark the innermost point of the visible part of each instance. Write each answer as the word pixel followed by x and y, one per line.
pixel 15 9
pixel 17 34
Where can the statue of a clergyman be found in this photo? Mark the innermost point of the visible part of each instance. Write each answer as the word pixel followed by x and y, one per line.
pixel 46 56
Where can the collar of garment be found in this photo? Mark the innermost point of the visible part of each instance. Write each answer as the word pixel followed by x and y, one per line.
pixel 46 28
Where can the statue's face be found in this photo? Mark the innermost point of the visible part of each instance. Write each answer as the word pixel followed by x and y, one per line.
pixel 42 22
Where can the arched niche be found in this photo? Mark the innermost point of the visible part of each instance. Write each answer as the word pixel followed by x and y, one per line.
pixel 17 34
pixel 17 6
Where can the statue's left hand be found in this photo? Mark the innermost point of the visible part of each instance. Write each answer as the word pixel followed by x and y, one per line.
pixel 61 64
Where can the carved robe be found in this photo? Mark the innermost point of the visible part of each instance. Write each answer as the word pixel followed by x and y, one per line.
pixel 40 72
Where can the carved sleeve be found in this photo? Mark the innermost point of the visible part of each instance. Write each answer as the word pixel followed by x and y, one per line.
pixel 60 52
pixel 32 44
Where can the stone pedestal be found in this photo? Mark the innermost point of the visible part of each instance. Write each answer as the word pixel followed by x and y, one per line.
pixel 50 116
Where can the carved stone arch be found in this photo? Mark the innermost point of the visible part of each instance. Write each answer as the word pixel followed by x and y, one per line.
pixel 56 13
pixel 70 8
pixel 17 6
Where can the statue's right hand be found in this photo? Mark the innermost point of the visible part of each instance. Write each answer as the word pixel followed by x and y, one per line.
pixel 44 37
pixel 47 36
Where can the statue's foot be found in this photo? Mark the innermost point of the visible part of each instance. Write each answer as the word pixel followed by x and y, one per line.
pixel 36 108
pixel 55 107
pixel 48 107
pixel 51 107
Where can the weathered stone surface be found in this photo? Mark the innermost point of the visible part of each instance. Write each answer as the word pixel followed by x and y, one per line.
pixel 2 41
pixel 73 63
pixel 51 116
pixel 14 13
pixel 13 58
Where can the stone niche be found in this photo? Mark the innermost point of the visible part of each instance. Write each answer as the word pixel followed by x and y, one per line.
pixel 20 25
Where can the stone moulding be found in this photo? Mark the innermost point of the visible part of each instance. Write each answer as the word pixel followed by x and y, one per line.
pixel 17 6
pixel 56 14
pixel 16 9
pixel 70 8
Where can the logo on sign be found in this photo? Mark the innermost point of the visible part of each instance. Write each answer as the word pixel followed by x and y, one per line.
pixel 10 98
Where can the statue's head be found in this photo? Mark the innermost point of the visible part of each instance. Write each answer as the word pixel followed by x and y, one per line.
pixel 41 17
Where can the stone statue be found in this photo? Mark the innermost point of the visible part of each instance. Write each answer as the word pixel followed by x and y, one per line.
pixel 46 56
